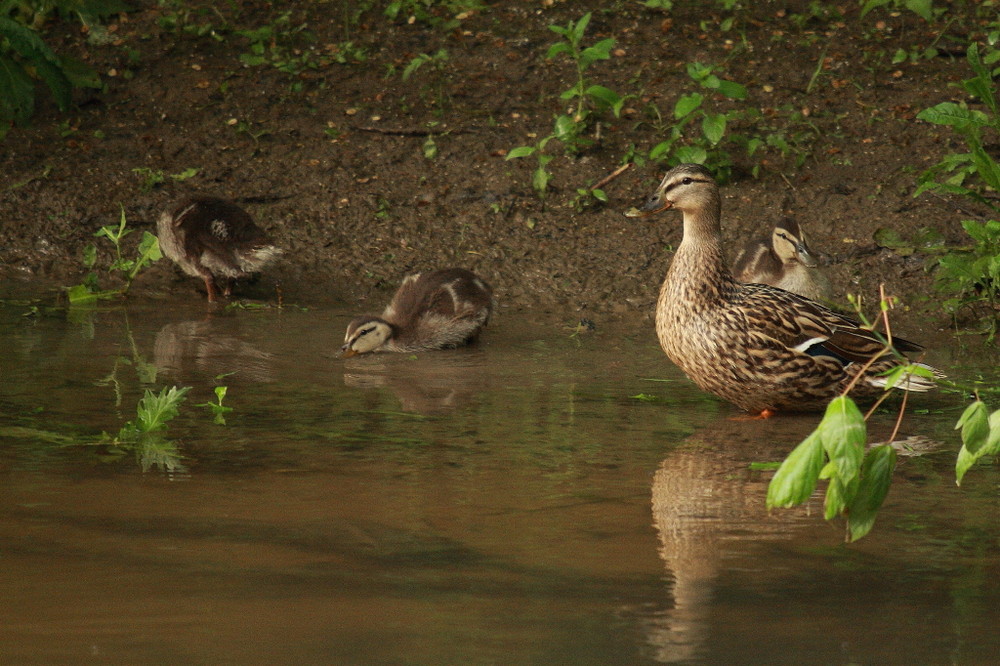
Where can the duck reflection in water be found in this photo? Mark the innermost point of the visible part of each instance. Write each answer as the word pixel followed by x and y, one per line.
pixel 199 347
pixel 709 510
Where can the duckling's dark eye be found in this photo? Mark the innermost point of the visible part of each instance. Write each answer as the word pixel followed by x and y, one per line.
pixel 365 331
pixel 686 181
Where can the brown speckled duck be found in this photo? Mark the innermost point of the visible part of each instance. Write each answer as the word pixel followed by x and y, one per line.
pixel 432 310
pixel 762 348
pixel 785 262
pixel 214 239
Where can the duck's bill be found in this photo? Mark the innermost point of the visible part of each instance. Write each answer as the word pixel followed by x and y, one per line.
pixel 654 205
pixel 347 353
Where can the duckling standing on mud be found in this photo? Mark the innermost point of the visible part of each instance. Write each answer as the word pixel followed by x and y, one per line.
pixel 761 348
pixel 785 262
pixel 433 310
pixel 214 239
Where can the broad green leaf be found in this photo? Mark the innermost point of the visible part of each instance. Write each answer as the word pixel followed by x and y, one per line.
pixel 843 433
pixel 975 426
pixel 839 493
pixel 604 95
pixel 17 92
pixel 921 8
pixel 963 463
pixel 55 79
pixel 687 104
pixel 949 113
pixel 557 49
pixel 796 479
pixel 80 294
pixel 732 90
pixel 714 127
pixel 876 477
pixel 691 155
pixel 580 27
pixel 520 151
pixel 599 51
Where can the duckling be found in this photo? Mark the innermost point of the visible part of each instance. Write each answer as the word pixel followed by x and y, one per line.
pixel 761 348
pixel 433 310
pixel 214 239
pixel 786 262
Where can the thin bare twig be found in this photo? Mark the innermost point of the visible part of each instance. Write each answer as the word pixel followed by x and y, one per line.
pixel 611 176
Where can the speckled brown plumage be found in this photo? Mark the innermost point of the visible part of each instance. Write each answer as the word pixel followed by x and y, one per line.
pixel 432 310
pixel 214 239
pixel 757 346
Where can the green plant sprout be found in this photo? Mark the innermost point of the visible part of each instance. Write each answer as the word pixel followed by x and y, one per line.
pixel 217 408
pixel 144 435
pixel 703 147
pixel 147 252
pixel 570 128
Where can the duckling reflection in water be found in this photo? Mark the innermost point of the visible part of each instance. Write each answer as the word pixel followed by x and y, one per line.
pixel 433 310
pixel 215 240
pixel 786 262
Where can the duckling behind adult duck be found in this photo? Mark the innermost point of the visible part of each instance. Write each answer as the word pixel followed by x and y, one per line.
pixel 785 262
pixel 214 239
pixel 762 348
pixel 433 310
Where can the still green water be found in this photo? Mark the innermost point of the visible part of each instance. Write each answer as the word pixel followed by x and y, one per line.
pixel 540 498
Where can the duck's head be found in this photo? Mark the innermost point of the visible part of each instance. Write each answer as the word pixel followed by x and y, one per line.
pixel 685 187
pixel 789 242
pixel 365 334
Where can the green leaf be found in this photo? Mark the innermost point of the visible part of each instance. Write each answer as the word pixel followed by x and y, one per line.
pixel 876 477
pixel 89 255
pixel 153 411
pixel 691 155
pixel 540 180
pixel 963 463
pixel 17 92
pixel 954 115
pixel 796 479
pixel 714 127
pixel 975 426
pixel 604 95
pixel 687 104
pixel 844 435
pixel 732 90
pixel 520 151
pixel 921 8
pixel 558 48
pixel 80 294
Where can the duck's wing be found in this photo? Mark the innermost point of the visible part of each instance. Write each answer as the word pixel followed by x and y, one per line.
pixel 809 327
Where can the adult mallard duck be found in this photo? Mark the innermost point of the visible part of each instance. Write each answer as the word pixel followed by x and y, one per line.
pixel 760 347
pixel 433 310
pixel 214 239
pixel 784 261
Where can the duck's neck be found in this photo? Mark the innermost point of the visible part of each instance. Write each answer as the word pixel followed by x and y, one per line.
pixel 698 272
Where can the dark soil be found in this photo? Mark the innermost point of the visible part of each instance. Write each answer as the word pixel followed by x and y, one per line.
pixel 332 162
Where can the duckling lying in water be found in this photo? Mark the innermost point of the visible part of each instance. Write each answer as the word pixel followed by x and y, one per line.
pixel 433 310
pixel 785 262
pixel 214 239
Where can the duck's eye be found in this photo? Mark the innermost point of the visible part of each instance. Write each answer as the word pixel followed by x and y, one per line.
pixel 686 181
pixel 365 331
